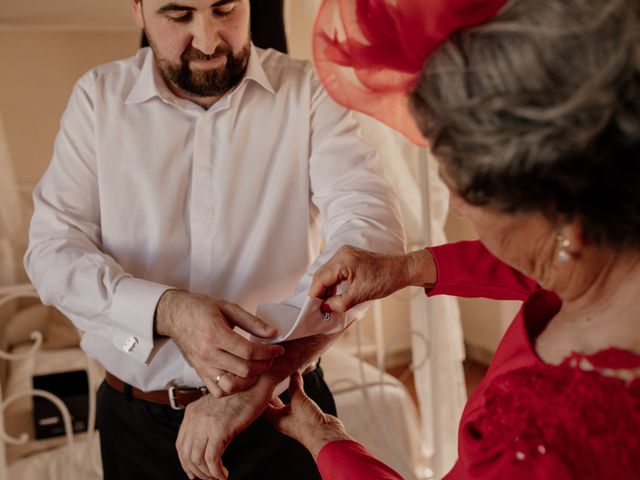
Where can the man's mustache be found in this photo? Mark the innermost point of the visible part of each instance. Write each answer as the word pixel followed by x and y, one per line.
pixel 193 54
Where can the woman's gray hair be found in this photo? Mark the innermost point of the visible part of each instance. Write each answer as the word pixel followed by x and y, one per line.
pixel 539 110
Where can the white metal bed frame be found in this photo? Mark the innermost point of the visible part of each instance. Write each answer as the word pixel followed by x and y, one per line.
pixel 26 291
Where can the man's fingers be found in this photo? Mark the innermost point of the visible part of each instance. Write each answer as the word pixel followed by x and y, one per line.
pixel 240 367
pixel 186 454
pixel 248 350
pixel 231 383
pixel 197 463
pixel 214 462
pixel 214 389
pixel 252 324
pixel 179 449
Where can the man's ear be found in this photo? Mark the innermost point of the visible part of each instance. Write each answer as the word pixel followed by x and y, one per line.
pixel 136 10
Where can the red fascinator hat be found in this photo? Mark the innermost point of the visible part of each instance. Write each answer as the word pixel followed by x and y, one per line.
pixel 369 53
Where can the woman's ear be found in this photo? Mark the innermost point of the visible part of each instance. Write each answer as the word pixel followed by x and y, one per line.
pixel 573 232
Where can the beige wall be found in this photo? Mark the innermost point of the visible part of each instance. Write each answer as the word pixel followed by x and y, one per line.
pixel 39 71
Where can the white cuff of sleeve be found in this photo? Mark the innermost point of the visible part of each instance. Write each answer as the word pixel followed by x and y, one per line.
pixel 132 314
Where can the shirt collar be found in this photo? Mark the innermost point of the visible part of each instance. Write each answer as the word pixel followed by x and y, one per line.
pixel 150 83
pixel 256 72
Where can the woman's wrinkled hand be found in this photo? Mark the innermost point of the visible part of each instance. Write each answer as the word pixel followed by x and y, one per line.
pixel 354 275
pixel 303 420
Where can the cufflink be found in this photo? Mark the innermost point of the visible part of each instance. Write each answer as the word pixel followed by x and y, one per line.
pixel 325 312
pixel 130 344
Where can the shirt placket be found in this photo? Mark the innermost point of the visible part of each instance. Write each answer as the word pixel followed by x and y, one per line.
pixel 201 204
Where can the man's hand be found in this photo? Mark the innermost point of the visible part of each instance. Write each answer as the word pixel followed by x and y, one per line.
pixel 211 423
pixel 202 327
pixel 369 276
pixel 303 420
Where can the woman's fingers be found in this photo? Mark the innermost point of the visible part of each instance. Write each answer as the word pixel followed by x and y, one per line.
pixel 296 385
pixel 278 417
pixel 353 276
pixel 324 282
pixel 339 303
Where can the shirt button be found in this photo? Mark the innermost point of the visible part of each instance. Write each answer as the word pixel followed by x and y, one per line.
pixel 130 344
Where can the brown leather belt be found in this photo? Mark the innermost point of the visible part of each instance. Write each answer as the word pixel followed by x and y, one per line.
pixel 176 397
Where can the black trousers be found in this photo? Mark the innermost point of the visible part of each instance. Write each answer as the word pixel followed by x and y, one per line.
pixel 138 440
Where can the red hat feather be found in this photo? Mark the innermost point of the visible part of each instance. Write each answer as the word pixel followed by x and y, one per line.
pixel 369 53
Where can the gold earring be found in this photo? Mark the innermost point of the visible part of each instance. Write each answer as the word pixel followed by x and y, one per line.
pixel 563 249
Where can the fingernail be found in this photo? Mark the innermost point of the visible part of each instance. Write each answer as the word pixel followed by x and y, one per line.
pixel 226 473
pixel 325 308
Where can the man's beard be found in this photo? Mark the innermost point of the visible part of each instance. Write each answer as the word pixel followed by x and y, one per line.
pixel 213 82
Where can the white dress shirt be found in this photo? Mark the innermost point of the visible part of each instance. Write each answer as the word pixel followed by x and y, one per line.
pixel 147 191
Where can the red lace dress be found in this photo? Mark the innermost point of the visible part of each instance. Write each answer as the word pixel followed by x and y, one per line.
pixel 527 419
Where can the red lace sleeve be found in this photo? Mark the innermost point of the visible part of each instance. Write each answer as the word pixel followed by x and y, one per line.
pixel 555 422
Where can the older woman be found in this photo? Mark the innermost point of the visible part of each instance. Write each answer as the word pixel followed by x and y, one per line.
pixel 534 118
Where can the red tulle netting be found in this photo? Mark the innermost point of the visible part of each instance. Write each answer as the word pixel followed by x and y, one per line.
pixel 580 419
pixel 369 53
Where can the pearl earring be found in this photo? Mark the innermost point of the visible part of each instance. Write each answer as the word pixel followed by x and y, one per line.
pixel 563 249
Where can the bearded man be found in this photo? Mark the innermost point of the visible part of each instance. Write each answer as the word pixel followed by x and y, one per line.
pixel 189 184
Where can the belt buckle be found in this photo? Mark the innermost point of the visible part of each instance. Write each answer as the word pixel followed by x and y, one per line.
pixel 172 399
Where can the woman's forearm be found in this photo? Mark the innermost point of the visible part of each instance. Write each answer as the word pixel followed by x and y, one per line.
pixel 421 268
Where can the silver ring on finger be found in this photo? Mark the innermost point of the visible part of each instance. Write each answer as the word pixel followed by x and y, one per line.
pixel 219 376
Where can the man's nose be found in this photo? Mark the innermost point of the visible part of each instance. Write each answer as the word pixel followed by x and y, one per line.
pixel 206 35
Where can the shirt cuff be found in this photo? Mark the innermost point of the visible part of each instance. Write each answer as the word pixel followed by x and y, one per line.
pixel 132 315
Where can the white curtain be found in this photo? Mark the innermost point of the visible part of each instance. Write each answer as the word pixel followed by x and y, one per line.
pixel 439 380
pixel 437 343
pixel 10 215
